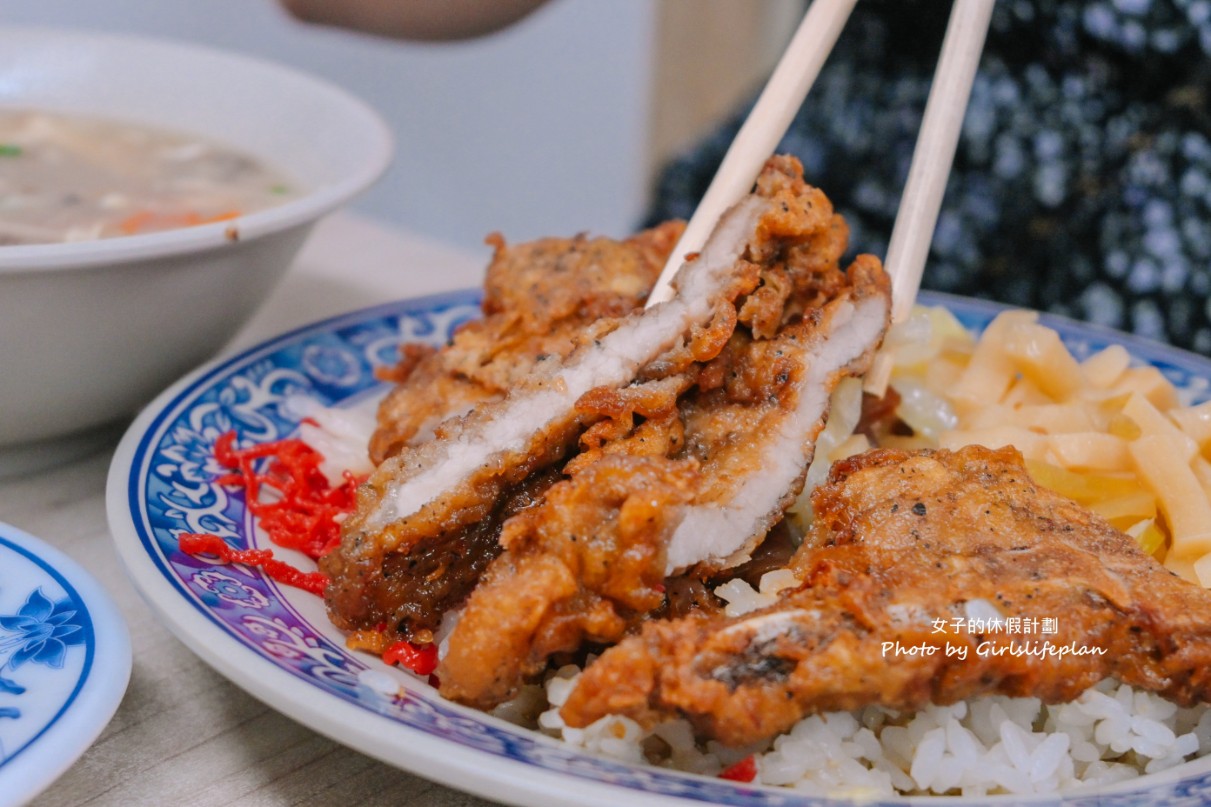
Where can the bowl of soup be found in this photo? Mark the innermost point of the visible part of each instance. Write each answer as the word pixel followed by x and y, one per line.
pixel 152 194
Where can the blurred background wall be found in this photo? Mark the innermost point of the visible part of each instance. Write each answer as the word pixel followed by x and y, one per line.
pixel 554 126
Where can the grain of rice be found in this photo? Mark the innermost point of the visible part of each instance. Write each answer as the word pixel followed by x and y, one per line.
pixel 983 746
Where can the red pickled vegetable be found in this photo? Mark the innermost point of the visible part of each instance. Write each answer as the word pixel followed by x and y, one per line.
pixel 421 659
pixel 743 771
pixel 291 500
pixel 302 510
pixel 282 572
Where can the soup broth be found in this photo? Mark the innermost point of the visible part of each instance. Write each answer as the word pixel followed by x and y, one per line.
pixel 74 178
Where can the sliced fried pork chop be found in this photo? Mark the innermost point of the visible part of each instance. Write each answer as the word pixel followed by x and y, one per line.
pixel 756 434
pixel 705 475
pixel 901 547
pixel 423 498
pixel 450 482
pixel 540 301
pixel 760 398
pixel 583 567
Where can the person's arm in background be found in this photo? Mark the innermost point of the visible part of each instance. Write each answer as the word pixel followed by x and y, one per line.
pixel 428 20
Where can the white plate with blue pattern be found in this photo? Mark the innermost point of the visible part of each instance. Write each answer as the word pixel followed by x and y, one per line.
pixel 276 643
pixel 64 663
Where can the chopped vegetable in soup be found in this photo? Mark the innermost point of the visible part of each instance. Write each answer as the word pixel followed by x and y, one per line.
pixel 73 178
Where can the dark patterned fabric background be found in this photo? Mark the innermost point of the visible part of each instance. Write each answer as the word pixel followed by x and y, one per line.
pixel 1082 182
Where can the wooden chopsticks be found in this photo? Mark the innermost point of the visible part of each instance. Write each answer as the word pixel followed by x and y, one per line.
pixel 932 157
pixel 935 150
pixel 762 129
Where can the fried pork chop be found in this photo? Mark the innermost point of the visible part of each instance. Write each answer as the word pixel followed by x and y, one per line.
pixel 423 499
pixel 541 300
pixel 755 432
pixel 901 546
pixel 771 262
pixel 735 434
pixel 583 567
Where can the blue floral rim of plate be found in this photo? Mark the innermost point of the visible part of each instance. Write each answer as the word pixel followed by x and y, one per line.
pixel 64 662
pixel 162 484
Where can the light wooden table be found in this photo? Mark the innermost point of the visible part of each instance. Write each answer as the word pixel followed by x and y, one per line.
pixel 183 734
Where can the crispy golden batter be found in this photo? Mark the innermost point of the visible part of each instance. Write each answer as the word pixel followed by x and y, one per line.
pixel 540 299
pixel 902 543
pixel 758 407
pixel 413 589
pixel 583 567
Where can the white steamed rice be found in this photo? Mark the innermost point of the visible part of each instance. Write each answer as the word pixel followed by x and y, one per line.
pixel 975 747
